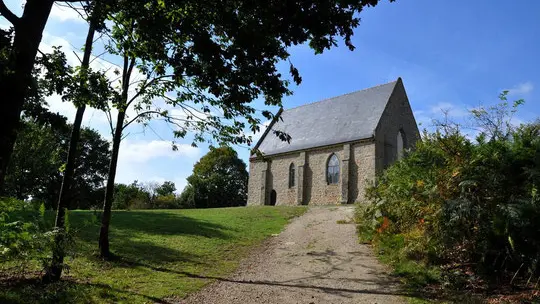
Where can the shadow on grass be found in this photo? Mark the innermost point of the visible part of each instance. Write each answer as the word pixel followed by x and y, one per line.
pixel 136 258
pixel 147 251
pixel 148 222
pixel 132 237
pixel 143 235
pixel 32 290
pixel 166 223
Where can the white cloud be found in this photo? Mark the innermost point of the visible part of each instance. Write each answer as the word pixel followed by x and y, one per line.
pixel 452 109
pixel 155 161
pixel 58 106
pixel 63 13
pixel 49 41
pixel 139 151
pixel 73 55
pixel 92 117
pixel 521 89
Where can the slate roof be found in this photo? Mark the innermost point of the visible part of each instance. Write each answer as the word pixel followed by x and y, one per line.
pixel 344 118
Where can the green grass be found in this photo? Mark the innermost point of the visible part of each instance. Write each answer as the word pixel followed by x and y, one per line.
pixel 422 282
pixel 415 274
pixel 161 255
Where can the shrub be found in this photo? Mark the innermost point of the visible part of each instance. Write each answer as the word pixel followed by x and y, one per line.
pixel 169 201
pixel 24 236
pixel 452 200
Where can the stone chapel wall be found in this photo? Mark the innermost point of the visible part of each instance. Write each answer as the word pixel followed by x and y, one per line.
pixel 357 168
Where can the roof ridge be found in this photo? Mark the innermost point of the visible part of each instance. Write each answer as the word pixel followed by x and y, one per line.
pixel 326 99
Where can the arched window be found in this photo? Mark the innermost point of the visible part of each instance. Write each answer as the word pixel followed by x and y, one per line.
pixel 291 175
pixel 332 170
pixel 399 144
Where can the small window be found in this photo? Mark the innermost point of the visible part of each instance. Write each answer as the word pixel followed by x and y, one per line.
pixel 399 144
pixel 291 175
pixel 332 170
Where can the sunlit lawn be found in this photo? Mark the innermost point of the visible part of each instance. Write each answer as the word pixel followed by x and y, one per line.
pixel 162 255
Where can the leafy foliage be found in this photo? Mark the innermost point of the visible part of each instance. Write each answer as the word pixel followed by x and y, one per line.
pixel 167 188
pixel 219 179
pixel 36 166
pixel 24 235
pixel 465 204
pixel 146 196
pixel 218 57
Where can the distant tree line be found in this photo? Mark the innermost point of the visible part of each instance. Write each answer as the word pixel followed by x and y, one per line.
pixel 149 195
pixel 219 179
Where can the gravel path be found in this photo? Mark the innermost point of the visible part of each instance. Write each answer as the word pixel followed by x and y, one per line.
pixel 314 260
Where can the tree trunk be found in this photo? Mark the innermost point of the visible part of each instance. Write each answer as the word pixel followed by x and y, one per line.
pixel 129 64
pixel 55 271
pixel 17 76
pixel 109 191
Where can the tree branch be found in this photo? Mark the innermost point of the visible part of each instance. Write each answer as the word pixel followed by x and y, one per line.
pixel 9 15
pixel 80 60
pixel 96 57
pixel 76 9
pixel 139 115
pixel 109 118
pixel 144 87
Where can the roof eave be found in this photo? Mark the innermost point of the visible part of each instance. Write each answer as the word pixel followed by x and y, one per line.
pixel 266 131
pixel 274 154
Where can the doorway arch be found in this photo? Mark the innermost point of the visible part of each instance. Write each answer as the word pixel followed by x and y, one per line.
pixel 273 197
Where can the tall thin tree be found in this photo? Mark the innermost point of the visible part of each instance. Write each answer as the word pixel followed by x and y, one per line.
pixel 83 95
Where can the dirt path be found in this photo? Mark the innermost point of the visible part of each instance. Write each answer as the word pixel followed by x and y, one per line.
pixel 314 260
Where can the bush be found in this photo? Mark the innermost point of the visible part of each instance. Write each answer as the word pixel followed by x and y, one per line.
pixel 454 201
pixel 169 201
pixel 24 236
pixel 21 232
pixel 146 196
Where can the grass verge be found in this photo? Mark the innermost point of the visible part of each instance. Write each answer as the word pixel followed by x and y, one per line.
pixel 161 255
pixel 432 283
pixel 424 283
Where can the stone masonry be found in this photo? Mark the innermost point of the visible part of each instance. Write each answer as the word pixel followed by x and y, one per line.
pixel 356 171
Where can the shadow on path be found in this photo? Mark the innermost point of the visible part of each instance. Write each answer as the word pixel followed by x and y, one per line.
pixel 383 290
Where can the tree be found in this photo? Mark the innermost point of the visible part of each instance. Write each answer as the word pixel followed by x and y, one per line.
pixel 145 196
pixel 83 88
pixel 16 70
pixel 187 197
pixel 130 196
pixel 167 188
pixel 17 64
pixel 219 179
pixel 35 169
pixel 35 162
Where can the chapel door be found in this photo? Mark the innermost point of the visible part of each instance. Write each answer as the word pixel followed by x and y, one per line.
pixel 273 197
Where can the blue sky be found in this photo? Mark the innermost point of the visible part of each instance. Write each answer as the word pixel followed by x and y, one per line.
pixel 452 55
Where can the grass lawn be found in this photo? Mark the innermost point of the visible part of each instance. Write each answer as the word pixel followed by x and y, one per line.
pixel 423 283
pixel 162 255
